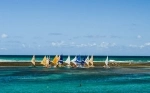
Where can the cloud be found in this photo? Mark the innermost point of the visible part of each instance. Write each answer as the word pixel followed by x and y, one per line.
pixel 4 36
pixel 133 46
pixel 23 45
pixel 3 48
pixel 140 46
pixel 147 44
pixel 139 36
pixel 81 45
pixel 58 44
pixel 55 34
pixel 106 45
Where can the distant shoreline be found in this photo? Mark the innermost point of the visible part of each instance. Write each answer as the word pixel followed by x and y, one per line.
pixel 96 64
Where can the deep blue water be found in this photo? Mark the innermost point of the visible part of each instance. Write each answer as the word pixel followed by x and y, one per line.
pixel 74 80
pixel 27 58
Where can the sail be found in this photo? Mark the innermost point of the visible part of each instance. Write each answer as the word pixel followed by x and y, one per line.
pixel 91 61
pixel 33 60
pixel 74 60
pixel 44 61
pixel 68 60
pixel 55 60
pixel 61 59
pixel 106 61
pixel 87 60
pixel 78 60
pixel 47 61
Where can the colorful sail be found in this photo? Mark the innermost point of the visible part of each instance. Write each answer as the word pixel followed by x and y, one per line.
pixel 43 62
pixel 87 61
pixel 74 60
pixel 55 60
pixel 68 60
pixel 33 60
pixel 91 61
pixel 78 60
pixel 61 59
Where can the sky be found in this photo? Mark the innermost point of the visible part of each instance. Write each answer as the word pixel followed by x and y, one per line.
pixel 71 27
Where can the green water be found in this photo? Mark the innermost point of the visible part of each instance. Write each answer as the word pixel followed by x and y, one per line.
pixel 74 80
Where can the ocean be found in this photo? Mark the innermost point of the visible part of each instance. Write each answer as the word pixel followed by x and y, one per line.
pixel 27 58
pixel 74 80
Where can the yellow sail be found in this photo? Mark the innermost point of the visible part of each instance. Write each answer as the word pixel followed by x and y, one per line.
pixel 44 61
pixel 91 61
pixel 33 60
pixel 55 60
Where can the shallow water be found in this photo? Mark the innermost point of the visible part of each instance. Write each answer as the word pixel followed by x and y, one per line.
pixel 74 80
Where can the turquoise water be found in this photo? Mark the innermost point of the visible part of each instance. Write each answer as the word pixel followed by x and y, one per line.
pixel 27 58
pixel 74 80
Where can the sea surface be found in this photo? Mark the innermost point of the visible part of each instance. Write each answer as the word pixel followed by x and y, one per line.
pixel 27 58
pixel 74 80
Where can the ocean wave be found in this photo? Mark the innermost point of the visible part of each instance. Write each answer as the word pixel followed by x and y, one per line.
pixel 5 60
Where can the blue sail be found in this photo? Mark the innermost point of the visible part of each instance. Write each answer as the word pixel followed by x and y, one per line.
pixel 83 61
pixel 78 59
pixel 61 59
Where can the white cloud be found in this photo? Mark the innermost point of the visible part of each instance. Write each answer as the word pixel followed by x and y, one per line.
pixel 23 45
pixel 58 44
pixel 133 46
pixel 113 44
pixel 4 36
pixel 104 45
pixel 39 45
pixel 53 43
pixel 73 44
pixel 3 48
pixel 147 44
pixel 91 44
pixel 81 45
pixel 140 46
pixel 139 36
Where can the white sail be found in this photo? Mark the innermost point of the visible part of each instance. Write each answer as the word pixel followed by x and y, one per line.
pixel 33 60
pixel 106 61
pixel 68 60
pixel 73 60
pixel 87 60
